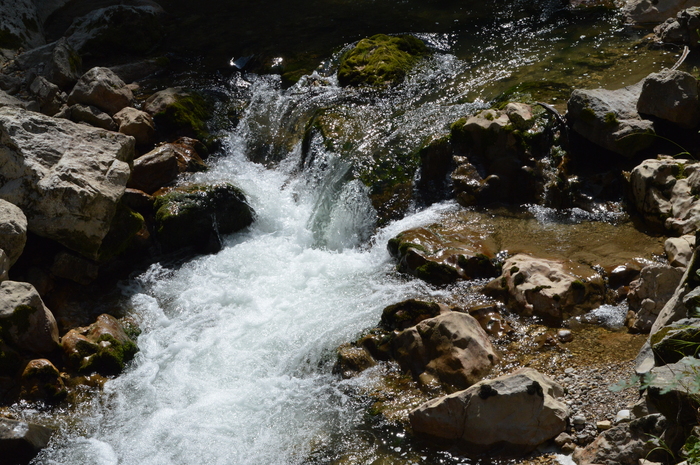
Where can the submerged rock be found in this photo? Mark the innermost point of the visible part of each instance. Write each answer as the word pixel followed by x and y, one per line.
pixel 194 216
pixel 535 286
pixel 20 442
pixel 506 416
pixel 440 256
pixel 67 178
pixel 380 60
pixel 103 347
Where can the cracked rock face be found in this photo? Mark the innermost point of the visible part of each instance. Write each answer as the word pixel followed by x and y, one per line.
pixel 505 416
pixel 66 178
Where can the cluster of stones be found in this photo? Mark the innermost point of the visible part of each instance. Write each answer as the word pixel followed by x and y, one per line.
pixel 89 188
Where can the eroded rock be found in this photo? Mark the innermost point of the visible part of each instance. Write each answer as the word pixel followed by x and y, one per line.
pixel 553 289
pixel 13 231
pixel 609 118
pixel 507 416
pixel 649 293
pixel 101 88
pixel 103 347
pixel 66 178
pixel 451 349
pixel 26 323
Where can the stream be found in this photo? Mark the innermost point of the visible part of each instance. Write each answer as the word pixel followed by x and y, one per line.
pixel 237 348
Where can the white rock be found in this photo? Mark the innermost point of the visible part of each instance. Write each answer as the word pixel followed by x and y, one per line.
pixel 680 249
pixel 13 230
pixel 67 178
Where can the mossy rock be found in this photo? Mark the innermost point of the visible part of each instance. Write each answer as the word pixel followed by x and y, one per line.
pixel 380 60
pixel 193 216
pixel 672 343
pixel 187 116
pixel 408 313
pixel 125 225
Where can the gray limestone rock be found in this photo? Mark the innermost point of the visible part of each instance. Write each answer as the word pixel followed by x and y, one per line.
pixel 13 230
pixel 671 95
pixel 67 178
pixel 609 118
pixel 26 322
pixel 92 116
pixel 20 442
pixel 102 88
pixel 58 62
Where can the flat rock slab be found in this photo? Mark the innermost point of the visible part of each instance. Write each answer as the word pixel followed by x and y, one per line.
pixel 67 178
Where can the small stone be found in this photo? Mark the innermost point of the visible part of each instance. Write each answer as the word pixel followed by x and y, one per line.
pixel 565 335
pixel 623 416
pixel 603 425
pixel 569 371
pixel 578 420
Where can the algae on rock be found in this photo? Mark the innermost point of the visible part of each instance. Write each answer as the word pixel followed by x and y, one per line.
pixel 380 60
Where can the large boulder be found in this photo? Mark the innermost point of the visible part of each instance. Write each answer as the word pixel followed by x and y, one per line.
pixel 609 118
pixel 194 216
pixel 664 192
pixel 649 293
pixel 624 444
pixel 58 62
pixel 117 29
pixel 179 111
pixel 154 170
pixel 548 288
pixel 655 11
pixel 26 323
pixel 451 349
pixel 103 347
pixel 682 29
pixel 439 255
pixel 671 95
pixel 13 230
pixel 101 88
pixel 19 25
pixel 67 178
pixel 380 60
pixel 506 416
pixel 20 441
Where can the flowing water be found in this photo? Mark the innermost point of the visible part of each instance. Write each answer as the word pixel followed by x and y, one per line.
pixel 237 348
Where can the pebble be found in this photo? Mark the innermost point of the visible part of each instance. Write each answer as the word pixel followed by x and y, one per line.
pixel 569 371
pixel 579 420
pixel 603 425
pixel 623 416
pixel 565 335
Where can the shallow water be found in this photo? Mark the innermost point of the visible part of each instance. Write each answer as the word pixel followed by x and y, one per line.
pixel 237 348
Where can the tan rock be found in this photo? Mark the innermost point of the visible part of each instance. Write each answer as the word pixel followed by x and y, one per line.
pixel 509 415
pixel 26 321
pixel 136 123
pixel 102 88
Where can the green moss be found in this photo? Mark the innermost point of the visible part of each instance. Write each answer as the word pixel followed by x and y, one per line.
pixel 380 60
pixel 611 119
pixel 489 116
pixel 578 285
pixel 125 225
pixel 20 317
pixel 187 116
pixel 534 91
pixel 514 269
pixel 436 273
pixel 403 248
